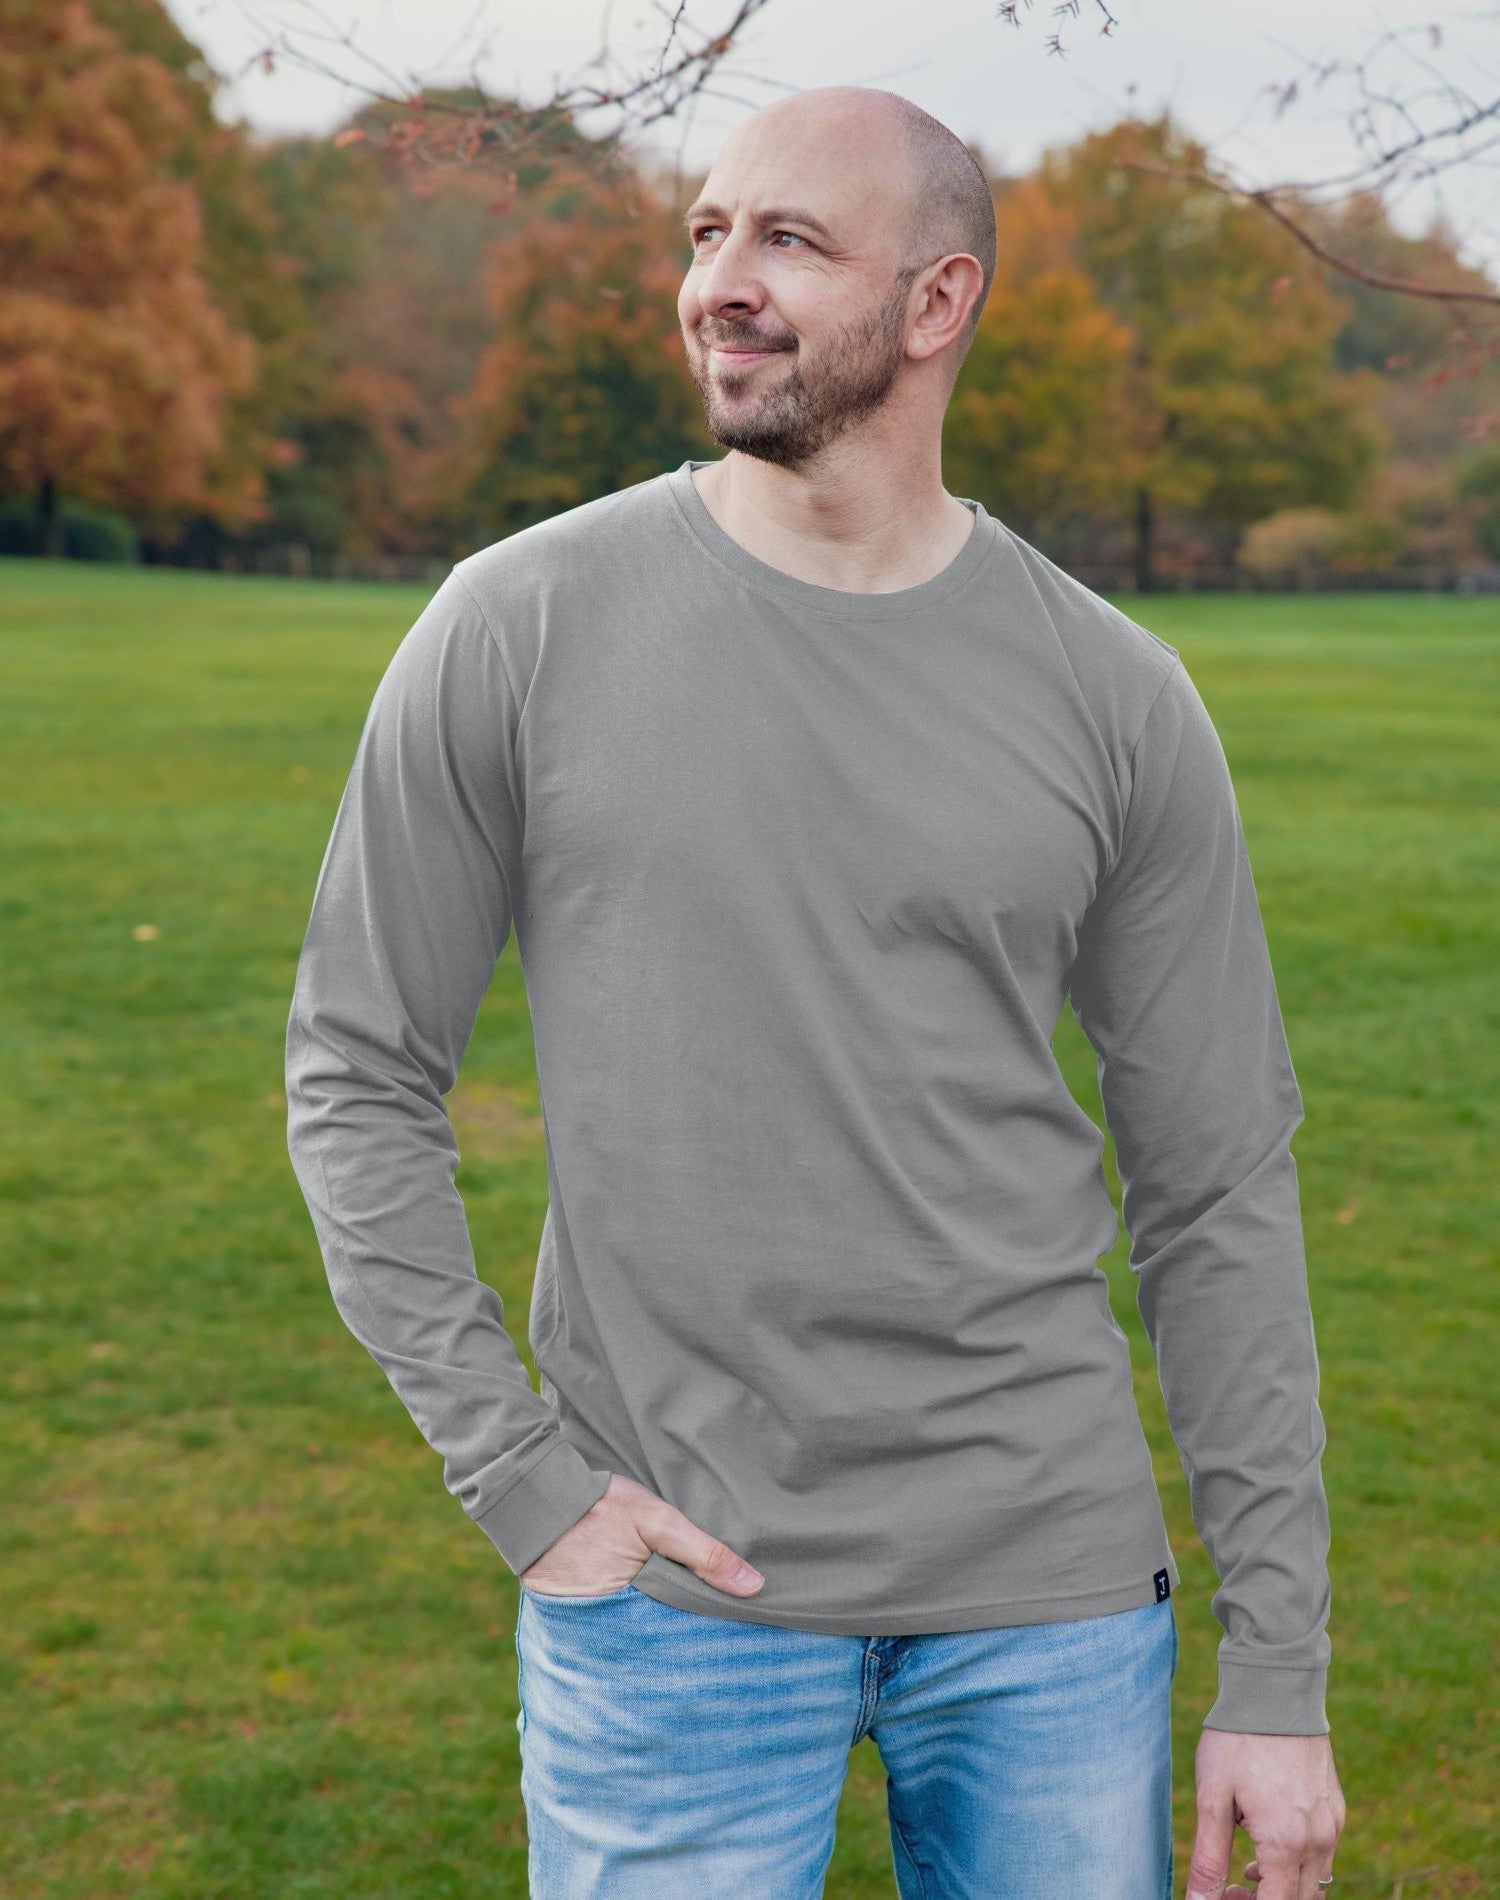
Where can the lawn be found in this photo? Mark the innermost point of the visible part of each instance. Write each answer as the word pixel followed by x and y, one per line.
pixel 250 1646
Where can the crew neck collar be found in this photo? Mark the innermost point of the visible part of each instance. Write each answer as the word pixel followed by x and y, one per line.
pixel 838 602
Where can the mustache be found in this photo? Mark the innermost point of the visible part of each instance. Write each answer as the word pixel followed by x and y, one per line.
pixel 743 343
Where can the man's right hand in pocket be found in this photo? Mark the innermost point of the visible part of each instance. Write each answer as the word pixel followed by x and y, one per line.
pixel 610 1544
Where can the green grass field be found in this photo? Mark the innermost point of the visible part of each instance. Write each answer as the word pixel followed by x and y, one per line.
pixel 250 1646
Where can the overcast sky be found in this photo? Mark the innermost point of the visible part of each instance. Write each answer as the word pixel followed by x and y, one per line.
pixel 1212 61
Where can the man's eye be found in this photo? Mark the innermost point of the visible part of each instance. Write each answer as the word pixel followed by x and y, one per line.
pixel 703 229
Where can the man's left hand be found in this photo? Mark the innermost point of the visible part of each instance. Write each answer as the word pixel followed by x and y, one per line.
pixel 1284 1791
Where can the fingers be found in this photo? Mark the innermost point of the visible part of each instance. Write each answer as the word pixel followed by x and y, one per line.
pixel 1305 1880
pixel 661 1526
pixel 1208 1869
pixel 1283 1790
pixel 666 1529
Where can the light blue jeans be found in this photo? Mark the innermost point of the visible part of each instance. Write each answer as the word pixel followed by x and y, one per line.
pixel 667 1755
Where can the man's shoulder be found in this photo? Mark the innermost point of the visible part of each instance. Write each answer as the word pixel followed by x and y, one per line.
pixel 572 543
pixel 1104 647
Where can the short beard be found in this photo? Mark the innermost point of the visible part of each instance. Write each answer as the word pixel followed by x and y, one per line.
pixel 796 419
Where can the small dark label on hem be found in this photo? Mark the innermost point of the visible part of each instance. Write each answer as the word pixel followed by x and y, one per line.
pixel 1163 1586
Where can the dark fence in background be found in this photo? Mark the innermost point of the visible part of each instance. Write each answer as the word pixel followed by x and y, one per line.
pixel 97 535
pixel 1233 580
pixel 1103 578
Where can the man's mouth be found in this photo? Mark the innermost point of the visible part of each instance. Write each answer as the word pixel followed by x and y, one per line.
pixel 735 353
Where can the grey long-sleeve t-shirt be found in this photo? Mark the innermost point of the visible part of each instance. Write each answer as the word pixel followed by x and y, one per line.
pixel 800 879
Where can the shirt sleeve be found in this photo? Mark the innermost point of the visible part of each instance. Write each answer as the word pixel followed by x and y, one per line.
pixel 412 908
pixel 1173 987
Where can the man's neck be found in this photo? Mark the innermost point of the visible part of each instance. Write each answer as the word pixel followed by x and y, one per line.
pixel 863 541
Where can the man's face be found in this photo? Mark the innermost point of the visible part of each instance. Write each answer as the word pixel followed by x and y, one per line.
pixel 815 289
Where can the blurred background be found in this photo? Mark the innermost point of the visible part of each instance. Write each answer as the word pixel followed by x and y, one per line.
pixel 301 303
pixel 261 311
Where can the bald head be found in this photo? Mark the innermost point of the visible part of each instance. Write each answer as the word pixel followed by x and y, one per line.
pixel 842 247
pixel 923 177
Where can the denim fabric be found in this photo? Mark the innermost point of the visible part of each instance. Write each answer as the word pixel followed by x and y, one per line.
pixel 669 1755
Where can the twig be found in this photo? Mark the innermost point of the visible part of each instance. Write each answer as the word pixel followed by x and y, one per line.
pixel 1264 196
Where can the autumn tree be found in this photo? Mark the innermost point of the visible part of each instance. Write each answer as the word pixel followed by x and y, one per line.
pixel 246 262
pixel 117 364
pixel 1038 427
pixel 1236 406
pixel 386 247
pixel 1426 394
pixel 585 389
pixel 336 411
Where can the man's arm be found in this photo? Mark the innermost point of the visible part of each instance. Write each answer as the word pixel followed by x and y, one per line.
pixel 1173 987
pixel 413 906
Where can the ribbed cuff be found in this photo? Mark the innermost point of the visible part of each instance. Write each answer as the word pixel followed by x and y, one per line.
pixel 1266 1699
pixel 547 1500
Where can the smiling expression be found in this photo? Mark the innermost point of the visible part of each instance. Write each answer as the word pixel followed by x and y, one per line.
pixel 794 309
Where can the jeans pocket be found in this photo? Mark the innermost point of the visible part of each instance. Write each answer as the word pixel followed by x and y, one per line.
pixel 608 1596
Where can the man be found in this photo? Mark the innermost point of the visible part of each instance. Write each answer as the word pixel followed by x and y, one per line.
pixel 811 793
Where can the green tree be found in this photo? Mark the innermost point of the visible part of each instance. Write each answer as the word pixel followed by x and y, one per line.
pixel 585 389
pixel 1038 426
pixel 1237 406
pixel 390 254
pixel 1478 482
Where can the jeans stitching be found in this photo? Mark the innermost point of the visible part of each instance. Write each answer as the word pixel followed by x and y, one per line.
pixel 869 1697
pixel 520 1667
pixel 1167 1891
pixel 901 1835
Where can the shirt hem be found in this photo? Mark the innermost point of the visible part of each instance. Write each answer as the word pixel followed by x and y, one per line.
pixel 657 1578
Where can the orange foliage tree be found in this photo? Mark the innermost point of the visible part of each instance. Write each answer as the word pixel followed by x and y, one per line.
pixel 1039 424
pixel 586 388
pixel 116 363
pixel 399 326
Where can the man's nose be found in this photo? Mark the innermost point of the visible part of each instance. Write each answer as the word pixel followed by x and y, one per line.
pixel 730 278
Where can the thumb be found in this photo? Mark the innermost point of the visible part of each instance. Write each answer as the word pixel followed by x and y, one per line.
pixel 1208 1868
pixel 679 1538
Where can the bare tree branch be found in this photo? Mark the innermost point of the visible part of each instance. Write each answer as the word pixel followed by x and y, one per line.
pixel 1407 134
pixel 1008 12
pixel 440 131
pixel 1479 343
pixel 1387 124
pixel 1265 197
